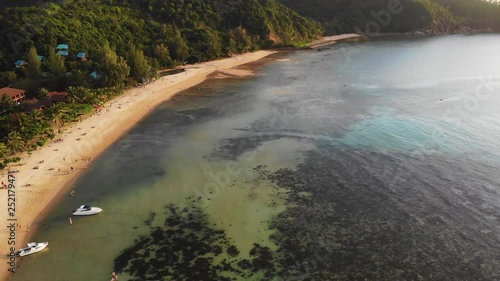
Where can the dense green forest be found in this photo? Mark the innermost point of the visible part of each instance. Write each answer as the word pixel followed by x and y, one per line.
pixel 199 24
pixel 427 16
pixel 125 42
pixel 121 43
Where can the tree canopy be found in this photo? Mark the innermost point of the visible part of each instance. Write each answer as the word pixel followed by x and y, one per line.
pixel 92 49
pixel 429 16
pixel 186 27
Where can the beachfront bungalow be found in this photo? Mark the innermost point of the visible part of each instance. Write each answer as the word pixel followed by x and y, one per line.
pixel 94 75
pixel 62 53
pixel 20 63
pixel 62 49
pixel 52 98
pixel 16 95
pixel 81 56
pixel 57 97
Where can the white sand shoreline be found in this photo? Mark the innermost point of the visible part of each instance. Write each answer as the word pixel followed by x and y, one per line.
pixel 90 138
pixel 325 41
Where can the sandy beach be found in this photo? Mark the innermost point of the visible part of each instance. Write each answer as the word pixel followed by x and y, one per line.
pixel 60 163
pixel 334 39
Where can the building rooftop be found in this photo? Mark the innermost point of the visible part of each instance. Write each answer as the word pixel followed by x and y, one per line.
pixel 11 92
pixel 34 104
pixel 20 62
pixel 62 47
pixel 95 75
pixel 56 96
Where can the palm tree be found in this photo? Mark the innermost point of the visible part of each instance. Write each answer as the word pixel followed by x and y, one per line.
pixel 36 116
pixel 56 113
pixel 30 125
pixel 72 96
pixel 3 150
pixel 6 103
pixel 15 142
pixel 88 97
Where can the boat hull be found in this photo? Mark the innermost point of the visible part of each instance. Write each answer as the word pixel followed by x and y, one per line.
pixel 37 249
pixel 93 211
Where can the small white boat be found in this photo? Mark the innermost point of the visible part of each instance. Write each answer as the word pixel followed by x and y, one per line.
pixel 32 248
pixel 86 210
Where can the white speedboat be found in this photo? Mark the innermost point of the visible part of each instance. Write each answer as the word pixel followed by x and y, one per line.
pixel 86 210
pixel 32 248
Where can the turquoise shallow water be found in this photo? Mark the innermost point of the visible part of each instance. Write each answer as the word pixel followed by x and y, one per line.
pixel 387 131
pixel 362 161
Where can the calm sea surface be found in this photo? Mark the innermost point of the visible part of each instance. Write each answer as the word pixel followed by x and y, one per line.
pixel 362 161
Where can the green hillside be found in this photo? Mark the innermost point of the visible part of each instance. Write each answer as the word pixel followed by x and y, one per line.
pixel 105 46
pixel 207 27
pixel 429 16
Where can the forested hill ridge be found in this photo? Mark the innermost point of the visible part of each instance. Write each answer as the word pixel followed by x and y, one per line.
pixel 423 16
pixel 193 30
pixel 61 59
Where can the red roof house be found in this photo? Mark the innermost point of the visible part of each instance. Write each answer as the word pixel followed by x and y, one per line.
pixel 56 97
pixel 15 95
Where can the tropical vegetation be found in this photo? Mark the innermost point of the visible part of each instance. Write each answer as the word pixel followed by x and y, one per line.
pixel 425 16
pixel 114 44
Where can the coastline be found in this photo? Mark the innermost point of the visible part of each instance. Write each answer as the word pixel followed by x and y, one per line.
pixel 359 37
pixel 325 41
pixel 88 139
pixel 424 33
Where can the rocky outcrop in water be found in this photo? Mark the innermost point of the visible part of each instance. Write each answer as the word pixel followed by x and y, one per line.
pixel 353 215
pixel 186 247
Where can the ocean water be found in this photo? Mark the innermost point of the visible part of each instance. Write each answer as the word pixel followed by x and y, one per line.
pixel 360 161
